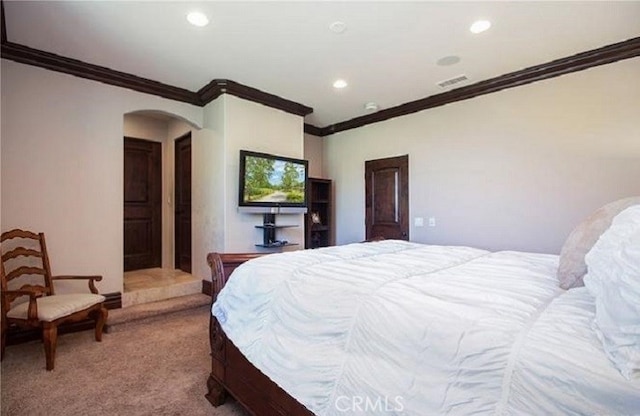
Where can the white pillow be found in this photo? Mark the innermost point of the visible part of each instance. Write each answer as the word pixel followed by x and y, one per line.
pixel 613 279
pixel 572 266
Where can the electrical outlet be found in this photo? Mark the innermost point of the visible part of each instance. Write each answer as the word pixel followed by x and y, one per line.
pixel 432 221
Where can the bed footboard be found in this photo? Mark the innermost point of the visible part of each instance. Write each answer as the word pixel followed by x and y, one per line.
pixel 231 373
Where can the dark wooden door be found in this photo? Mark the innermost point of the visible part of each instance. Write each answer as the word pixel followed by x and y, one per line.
pixel 142 204
pixel 387 198
pixel 183 203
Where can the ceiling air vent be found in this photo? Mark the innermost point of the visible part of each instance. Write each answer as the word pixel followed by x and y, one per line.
pixel 452 81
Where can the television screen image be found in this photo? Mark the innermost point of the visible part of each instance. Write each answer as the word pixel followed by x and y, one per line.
pixel 269 180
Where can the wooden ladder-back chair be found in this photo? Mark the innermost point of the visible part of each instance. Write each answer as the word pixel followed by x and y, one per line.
pixel 26 273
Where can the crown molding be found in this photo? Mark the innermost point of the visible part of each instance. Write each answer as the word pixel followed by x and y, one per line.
pixel 601 56
pixel 313 130
pixel 51 61
pixel 205 95
pixel 217 87
pixel 31 56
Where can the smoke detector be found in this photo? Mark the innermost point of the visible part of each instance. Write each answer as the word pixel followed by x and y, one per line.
pixel 338 27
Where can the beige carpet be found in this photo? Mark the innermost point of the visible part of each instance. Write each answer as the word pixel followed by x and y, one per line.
pixel 151 310
pixel 157 367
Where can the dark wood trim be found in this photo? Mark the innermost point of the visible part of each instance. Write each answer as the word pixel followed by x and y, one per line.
pixel 605 55
pixel 217 87
pixel 36 57
pixel 222 265
pixel 231 373
pixel 205 95
pixel 601 56
pixel 211 91
pixel 3 23
pixel 382 195
pixel 207 287
pixel 313 130
pixel 20 335
pixel 113 300
pixel 182 203
pixel 142 204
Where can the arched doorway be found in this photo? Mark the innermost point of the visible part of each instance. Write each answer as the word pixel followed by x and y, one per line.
pixel 150 206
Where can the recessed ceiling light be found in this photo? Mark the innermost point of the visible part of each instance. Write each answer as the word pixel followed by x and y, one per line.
pixel 340 83
pixel 338 27
pixel 480 26
pixel 198 19
pixel 448 60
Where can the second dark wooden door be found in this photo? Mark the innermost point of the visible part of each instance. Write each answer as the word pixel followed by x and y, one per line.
pixel 142 204
pixel 387 198
pixel 183 203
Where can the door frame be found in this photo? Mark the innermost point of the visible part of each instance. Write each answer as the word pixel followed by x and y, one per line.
pixel 401 163
pixel 177 254
pixel 155 197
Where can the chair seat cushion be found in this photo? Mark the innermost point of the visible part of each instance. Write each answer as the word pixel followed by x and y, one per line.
pixel 53 307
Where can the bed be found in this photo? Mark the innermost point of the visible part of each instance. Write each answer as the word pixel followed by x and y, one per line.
pixel 395 327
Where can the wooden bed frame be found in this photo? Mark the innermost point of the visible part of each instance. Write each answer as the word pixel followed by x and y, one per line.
pixel 231 373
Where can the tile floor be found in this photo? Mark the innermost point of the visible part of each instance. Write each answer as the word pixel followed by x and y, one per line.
pixel 150 285
pixel 157 277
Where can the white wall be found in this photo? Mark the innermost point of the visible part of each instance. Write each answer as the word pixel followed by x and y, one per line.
pixel 231 124
pixel 62 164
pixel 208 189
pixel 517 169
pixel 314 153
pixel 252 126
pixel 72 190
pixel 140 125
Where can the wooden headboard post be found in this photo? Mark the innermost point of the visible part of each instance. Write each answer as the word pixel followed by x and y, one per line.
pixel 222 265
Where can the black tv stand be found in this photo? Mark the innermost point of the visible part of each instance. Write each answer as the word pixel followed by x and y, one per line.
pixel 269 228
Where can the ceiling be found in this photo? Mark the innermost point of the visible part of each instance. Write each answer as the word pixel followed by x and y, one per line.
pixel 388 53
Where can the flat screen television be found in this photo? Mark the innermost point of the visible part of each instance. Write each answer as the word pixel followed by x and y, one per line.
pixel 272 184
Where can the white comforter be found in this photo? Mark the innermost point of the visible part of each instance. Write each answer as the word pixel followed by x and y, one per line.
pixel 394 327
